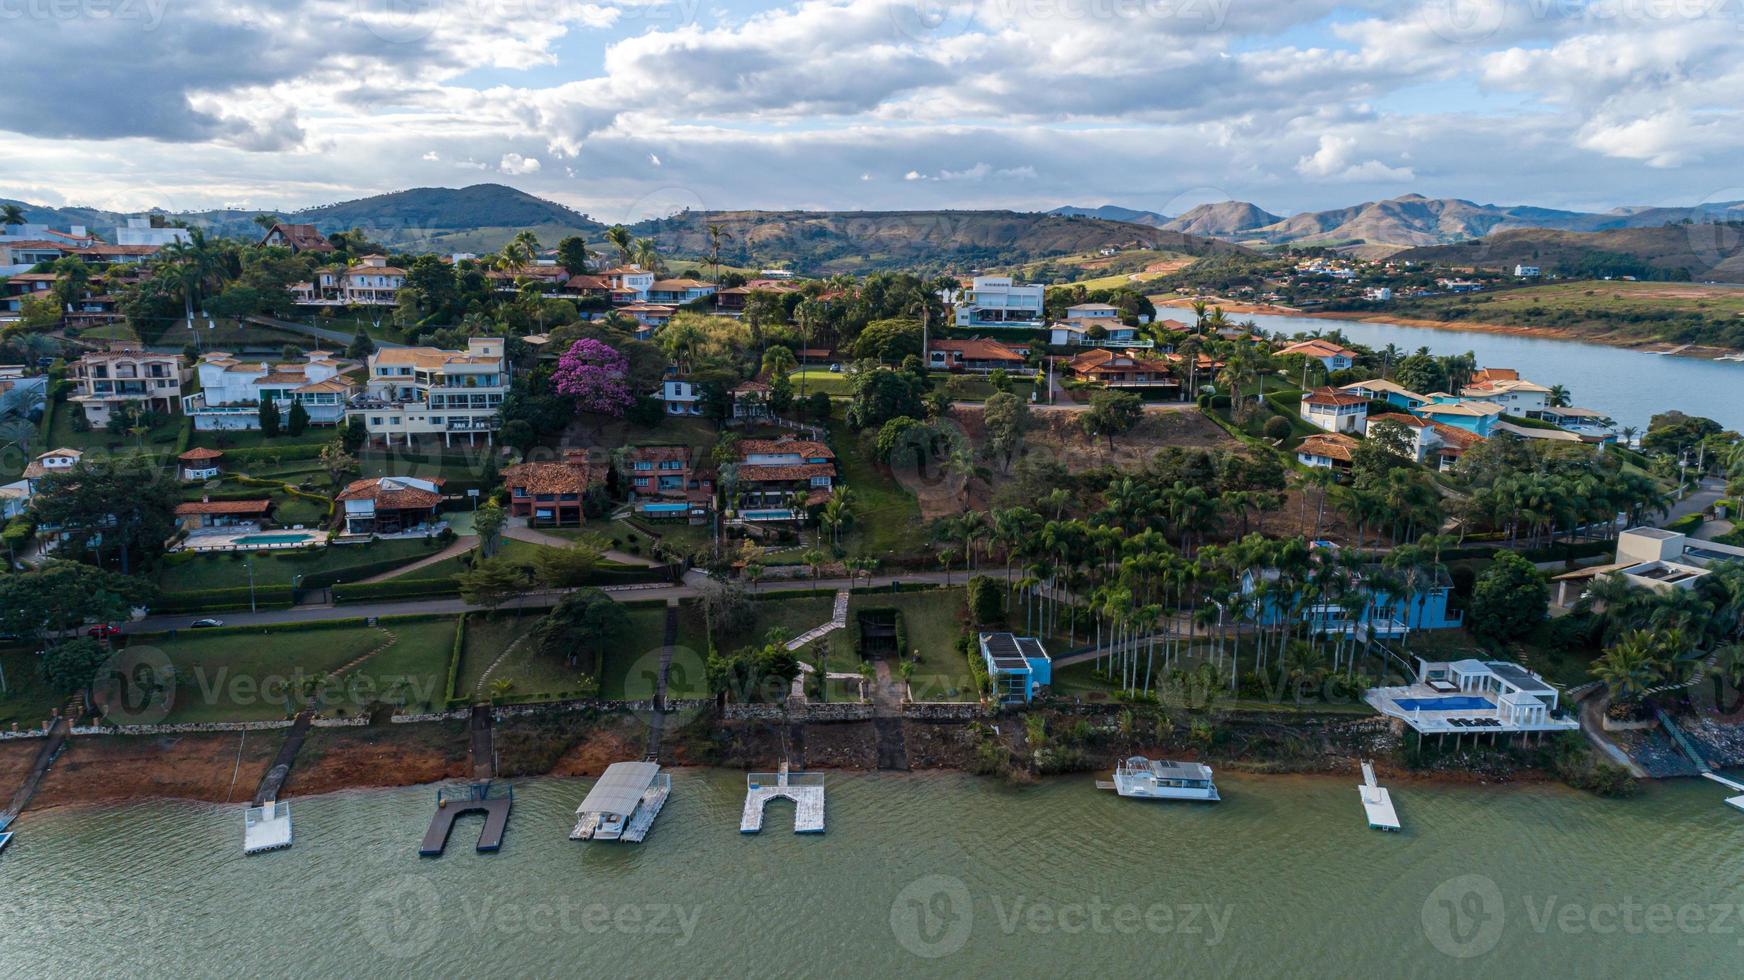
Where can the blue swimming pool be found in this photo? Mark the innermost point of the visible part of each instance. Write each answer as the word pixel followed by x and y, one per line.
pixel 1445 704
pixel 665 508
pixel 767 515
pixel 293 537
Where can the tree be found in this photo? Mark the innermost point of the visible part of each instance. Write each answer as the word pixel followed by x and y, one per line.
pixel 1631 666
pixel 619 237
pixel 889 340
pixel 596 375
pixel 269 417
pixel 125 504
pixel 817 405
pixel 39 311
pixel 488 522
pixel 717 233
pixel 72 666
pixel 565 568
pixel 1111 413
pixel 986 601
pixel 1006 417
pixel 778 361
pixel 572 255
pixel 584 623
pixel 361 345
pixel 355 434
pixel 1557 397
pixel 491 582
pixel 58 596
pixel 881 394
pixel 299 419
pixel 11 214
pixel 336 462
pixel 1509 599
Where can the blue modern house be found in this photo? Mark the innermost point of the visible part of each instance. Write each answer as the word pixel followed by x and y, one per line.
pixel 1461 413
pixel 1017 666
pixel 1385 616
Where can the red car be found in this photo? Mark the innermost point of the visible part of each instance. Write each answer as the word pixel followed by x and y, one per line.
pixel 103 631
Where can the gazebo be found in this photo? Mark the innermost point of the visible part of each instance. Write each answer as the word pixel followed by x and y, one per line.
pixel 199 464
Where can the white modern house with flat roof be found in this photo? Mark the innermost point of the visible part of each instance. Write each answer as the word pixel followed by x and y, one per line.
pixel 1467 697
pixel 996 301
pixel 425 391
pixel 1651 558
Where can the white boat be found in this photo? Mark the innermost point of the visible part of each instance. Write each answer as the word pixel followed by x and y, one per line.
pixel 1161 779
pixel 623 804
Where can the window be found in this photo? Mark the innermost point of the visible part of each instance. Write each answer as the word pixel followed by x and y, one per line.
pixel 435 420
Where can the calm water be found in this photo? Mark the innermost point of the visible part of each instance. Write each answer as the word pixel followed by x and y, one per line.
pixel 1630 386
pixel 940 875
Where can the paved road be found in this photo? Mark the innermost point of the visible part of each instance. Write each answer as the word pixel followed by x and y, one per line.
pixel 1698 500
pixel 539 600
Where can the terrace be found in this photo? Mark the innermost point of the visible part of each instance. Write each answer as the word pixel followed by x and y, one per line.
pixel 1471 695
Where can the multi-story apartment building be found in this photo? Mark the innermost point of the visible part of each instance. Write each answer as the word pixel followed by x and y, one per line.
pixel 108 378
pixel 232 389
pixel 424 391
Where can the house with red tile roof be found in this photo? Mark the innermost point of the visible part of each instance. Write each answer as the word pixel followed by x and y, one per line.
pixel 977 356
pixel 297 238
pixel 1126 369
pixel 771 471
pixel 1327 450
pixel 202 514
pixel 1336 357
pixel 552 494
pixel 1334 410
pixel 389 504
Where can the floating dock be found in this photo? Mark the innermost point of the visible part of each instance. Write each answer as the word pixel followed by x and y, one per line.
pixel 474 798
pixel 623 804
pixel 1377 802
pixel 805 789
pixel 266 827
pixel 1736 802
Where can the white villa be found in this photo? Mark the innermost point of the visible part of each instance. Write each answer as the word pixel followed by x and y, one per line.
pixel 425 391
pixel 1335 411
pixel 680 396
pixel 1651 558
pixel 372 282
pixel 231 390
pixel 1467 697
pixel 996 301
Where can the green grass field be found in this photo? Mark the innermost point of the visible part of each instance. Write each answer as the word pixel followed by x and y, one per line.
pixel 1632 309
pixel 529 672
pixel 228 570
pixel 887 517
pixel 819 379
pixel 250 675
pixel 932 621
pixel 28 699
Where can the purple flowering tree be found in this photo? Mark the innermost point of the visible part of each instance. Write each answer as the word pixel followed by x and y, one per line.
pixel 596 376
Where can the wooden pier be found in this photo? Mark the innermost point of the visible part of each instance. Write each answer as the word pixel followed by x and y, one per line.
pixel 266 823
pixel 1377 802
pixel 805 789
pixel 474 798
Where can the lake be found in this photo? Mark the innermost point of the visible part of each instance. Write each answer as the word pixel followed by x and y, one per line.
pixel 1629 385
pixel 935 875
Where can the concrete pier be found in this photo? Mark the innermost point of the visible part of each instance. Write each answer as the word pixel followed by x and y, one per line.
pixel 805 789
pixel 476 798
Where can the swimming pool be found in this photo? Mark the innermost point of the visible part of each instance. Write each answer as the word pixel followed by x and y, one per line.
pixel 1445 704
pixel 665 508
pixel 297 537
pixel 768 515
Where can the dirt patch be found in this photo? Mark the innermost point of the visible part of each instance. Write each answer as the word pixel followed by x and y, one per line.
pixel 1060 434
pixel 621 740
pixel 1167 266
pixel 195 767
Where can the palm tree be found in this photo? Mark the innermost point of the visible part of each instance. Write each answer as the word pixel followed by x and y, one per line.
pixel 647 256
pixel 1630 667
pixel 1629 436
pixel 620 238
pixel 1557 397
pixel 717 233
pixel 11 214
pixel 265 220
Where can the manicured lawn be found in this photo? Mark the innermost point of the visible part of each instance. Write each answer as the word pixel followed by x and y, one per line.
pixel 228 335
pixel 968 388
pixel 528 671
pixel 887 518
pixel 819 379
pixel 314 435
pixel 244 675
pixel 289 510
pixel 28 699
pixel 161 438
pixel 932 621
pixel 687 538
pixel 228 569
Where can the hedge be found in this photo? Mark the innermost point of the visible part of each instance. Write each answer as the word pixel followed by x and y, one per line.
pixel 417 588
pixel 1561 551
pixel 235 597
pixel 454 658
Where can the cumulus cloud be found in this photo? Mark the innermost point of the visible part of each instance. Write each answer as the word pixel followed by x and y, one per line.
pixel 1293 103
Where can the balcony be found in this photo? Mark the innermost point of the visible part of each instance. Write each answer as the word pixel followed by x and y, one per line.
pixel 474 425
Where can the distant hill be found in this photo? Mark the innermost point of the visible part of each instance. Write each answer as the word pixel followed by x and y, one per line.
pixel 855 241
pixel 1700 251
pixel 1227 219
pixel 1113 212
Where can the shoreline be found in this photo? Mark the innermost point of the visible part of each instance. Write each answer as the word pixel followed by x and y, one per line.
pixel 1698 351
pixel 224 768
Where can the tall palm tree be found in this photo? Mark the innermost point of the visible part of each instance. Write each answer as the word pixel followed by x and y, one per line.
pixel 265 220
pixel 1631 666
pixel 647 256
pixel 717 233
pixel 11 214
pixel 1557 397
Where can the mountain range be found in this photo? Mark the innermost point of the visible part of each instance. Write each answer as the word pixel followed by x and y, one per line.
pixel 1407 221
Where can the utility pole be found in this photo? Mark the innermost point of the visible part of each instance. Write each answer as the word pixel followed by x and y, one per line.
pixel 250 565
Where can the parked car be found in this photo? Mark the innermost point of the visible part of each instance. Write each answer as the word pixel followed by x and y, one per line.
pixel 103 631
pixel 835 369
pixel 201 624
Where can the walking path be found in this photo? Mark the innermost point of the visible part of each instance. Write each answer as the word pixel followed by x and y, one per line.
pixel 460 545
pixel 280 770
pixel 838 620
pixel 532 535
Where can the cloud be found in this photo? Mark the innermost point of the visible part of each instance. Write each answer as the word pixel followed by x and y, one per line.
pixel 514 163
pixel 1334 161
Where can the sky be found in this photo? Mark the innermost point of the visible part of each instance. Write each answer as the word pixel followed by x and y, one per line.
pixel 629 109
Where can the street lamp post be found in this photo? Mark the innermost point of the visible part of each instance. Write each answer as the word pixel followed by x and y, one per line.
pixel 249 564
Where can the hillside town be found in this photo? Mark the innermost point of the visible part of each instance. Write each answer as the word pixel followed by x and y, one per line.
pixel 968 522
